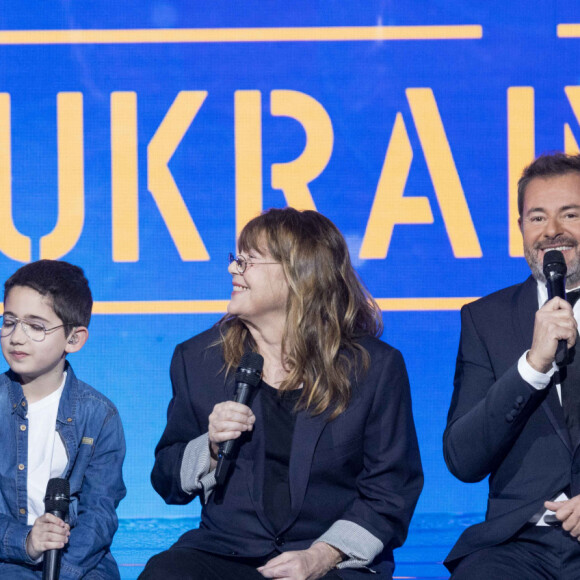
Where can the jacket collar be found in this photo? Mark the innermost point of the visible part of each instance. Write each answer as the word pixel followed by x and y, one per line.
pixel 68 401
pixel 17 398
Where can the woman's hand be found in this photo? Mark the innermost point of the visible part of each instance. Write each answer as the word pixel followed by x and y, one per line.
pixel 303 564
pixel 228 421
pixel 48 533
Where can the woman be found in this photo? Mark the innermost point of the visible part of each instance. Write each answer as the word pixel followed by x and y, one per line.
pixel 328 470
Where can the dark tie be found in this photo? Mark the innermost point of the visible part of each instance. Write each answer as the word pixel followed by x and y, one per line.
pixel 570 384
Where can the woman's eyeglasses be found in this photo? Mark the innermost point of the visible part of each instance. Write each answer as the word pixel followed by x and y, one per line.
pixel 242 263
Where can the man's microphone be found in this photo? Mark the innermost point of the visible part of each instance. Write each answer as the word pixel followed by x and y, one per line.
pixel 56 503
pixel 248 376
pixel 555 273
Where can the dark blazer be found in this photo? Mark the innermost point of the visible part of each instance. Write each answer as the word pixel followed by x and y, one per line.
pixel 498 425
pixel 363 466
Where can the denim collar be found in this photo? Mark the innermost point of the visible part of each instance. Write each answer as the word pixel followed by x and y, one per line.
pixel 68 400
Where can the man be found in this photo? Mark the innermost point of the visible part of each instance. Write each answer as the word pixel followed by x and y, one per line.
pixel 507 419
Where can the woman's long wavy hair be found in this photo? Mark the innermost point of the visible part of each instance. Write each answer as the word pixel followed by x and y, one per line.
pixel 328 308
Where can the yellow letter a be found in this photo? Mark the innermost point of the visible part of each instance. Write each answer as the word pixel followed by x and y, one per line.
pixel 389 206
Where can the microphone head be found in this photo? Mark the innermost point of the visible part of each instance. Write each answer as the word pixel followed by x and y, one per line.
pixel 250 369
pixel 57 495
pixel 554 263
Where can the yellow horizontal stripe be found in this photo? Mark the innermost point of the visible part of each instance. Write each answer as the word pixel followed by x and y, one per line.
pixel 568 30
pixel 188 35
pixel 421 304
pixel 162 307
pixel 219 306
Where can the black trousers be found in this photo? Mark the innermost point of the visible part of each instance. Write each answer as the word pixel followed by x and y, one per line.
pixel 536 553
pixel 191 564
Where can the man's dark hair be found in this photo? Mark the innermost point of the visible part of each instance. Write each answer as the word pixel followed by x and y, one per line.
pixel 64 283
pixel 546 165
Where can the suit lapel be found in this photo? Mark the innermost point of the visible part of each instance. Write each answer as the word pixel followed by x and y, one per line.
pixel 257 457
pixel 307 431
pixel 553 409
pixel 526 305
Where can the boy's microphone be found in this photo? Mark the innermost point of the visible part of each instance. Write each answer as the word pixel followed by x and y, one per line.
pixel 56 502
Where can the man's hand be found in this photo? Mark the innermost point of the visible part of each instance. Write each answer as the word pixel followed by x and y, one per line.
pixel 303 564
pixel 228 421
pixel 554 321
pixel 48 533
pixel 568 512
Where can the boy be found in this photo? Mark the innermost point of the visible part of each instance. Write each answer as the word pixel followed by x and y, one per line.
pixel 53 425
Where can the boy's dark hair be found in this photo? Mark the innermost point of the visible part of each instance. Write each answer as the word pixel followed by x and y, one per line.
pixel 546 165
pixel 64 283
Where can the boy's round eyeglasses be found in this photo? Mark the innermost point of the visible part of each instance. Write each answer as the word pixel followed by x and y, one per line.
pixel 35 331
pixel 242 263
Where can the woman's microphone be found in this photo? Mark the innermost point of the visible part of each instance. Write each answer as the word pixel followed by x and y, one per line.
pixel 248 376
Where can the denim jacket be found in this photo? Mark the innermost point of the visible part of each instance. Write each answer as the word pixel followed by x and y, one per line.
pixel 91 431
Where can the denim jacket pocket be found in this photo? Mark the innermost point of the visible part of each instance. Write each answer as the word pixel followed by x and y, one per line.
pixel 76 476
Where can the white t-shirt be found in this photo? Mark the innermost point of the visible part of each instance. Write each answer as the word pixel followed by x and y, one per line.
pixel 47 456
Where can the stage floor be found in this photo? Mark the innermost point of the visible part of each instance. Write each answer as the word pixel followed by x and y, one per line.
pixel 430 538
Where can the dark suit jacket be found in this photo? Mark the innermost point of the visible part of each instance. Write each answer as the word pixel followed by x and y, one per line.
pixel 363 466
pixel 498 425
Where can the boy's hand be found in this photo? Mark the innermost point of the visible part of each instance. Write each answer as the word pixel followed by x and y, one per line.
pixel 48 533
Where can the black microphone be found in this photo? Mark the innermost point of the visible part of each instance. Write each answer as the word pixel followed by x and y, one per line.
pixel 555 273
pixel 56 503
pixel 248 376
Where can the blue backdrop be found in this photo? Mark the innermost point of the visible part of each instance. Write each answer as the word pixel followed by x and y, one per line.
pixel 136 138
